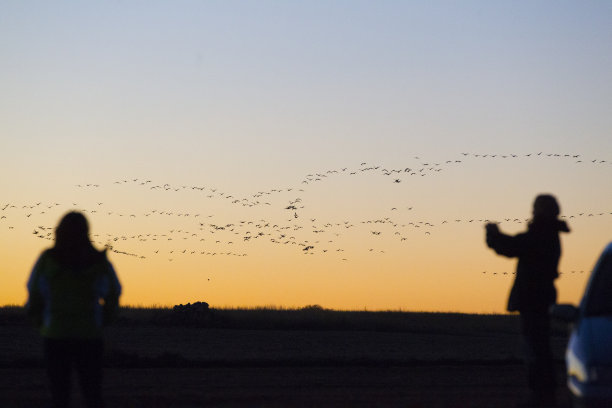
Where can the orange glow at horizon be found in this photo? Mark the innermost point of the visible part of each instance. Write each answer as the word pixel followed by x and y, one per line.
pixel 305 247
pixel 244 156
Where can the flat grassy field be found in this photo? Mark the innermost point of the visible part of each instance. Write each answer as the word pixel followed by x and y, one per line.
pixel 304 357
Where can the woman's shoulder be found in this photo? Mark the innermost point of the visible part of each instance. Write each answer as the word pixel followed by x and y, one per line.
pixel 47 263
pixel 102 257
pixel 47 255
pixel 101 261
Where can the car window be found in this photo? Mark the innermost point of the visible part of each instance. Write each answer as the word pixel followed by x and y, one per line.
pixel 599 296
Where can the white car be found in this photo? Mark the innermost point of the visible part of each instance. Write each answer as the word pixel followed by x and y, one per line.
pixel 589 351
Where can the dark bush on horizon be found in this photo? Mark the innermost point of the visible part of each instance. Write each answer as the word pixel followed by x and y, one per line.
pixel 191 314
pixel 197 307
pixel 313 308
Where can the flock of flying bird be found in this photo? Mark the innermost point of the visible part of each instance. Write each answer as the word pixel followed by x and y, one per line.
pixel 202 234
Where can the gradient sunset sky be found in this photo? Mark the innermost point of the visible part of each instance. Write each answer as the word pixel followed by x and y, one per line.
pixel 340 153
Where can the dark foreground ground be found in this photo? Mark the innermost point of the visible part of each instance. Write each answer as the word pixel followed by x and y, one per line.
pixel 455 386
pixel 291 359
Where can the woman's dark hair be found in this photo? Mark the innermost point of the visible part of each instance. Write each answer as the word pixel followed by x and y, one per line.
pixel 72 245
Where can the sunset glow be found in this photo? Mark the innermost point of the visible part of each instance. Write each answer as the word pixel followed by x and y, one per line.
pixel 345 154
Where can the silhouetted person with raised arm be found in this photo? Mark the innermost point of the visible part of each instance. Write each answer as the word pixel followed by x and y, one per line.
pixel 533 293
pixel 73 293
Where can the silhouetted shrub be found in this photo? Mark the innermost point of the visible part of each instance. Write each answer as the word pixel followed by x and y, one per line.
pixel 191 314
pixel 313 308
pixel 197 307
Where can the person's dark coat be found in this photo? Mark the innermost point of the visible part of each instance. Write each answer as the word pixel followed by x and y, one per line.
pixel 538 251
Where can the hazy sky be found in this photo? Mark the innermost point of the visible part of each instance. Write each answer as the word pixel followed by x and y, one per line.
pixel 167 108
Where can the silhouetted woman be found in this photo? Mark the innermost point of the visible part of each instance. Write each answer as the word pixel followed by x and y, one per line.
pixel 538 251
pixel 73 293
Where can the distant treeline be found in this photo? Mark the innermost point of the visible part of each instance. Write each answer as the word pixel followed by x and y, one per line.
pixel 308 318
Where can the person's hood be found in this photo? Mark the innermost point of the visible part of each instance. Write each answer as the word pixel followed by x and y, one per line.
pixel 554 224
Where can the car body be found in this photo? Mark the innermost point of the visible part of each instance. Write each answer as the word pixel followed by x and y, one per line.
pixel 589 350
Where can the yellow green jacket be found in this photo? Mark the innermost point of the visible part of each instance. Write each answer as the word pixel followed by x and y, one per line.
pixel 66 303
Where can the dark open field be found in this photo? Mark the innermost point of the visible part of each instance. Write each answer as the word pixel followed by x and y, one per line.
pixel 286 358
